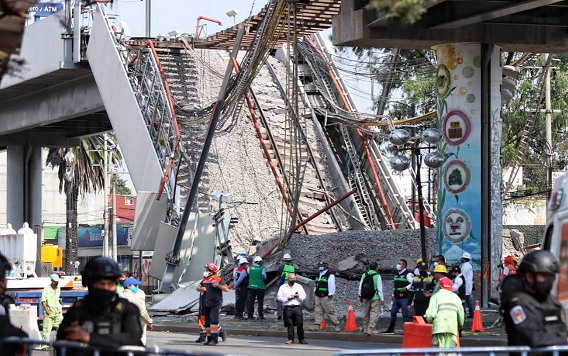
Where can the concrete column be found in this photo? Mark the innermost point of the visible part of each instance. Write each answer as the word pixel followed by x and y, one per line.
pixel 469 116
pixel 15 186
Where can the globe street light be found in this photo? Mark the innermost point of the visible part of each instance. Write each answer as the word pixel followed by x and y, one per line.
pixel 400 137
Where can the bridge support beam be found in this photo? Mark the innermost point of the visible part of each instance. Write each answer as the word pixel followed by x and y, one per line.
pixel 469 198
pixel 23 187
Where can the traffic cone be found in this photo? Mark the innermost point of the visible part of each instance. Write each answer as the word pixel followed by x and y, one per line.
pixel 322 325
pixel 351 324
pixel 477 324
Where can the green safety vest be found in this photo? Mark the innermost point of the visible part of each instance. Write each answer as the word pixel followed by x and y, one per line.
pixel 322 285
pixel 256 279
pixel 400 282
pixel 286 271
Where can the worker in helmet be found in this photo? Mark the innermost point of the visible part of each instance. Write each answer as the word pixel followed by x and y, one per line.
pixel 131 287
pixel 201 316
pixel 417 269
pixel 508 268
pixel 534 317
pixel 212 288
pixel 283 273
pixel 240 285
pixel 52 308
pixel 6 327
pixel 467 273
pixel 446 313
pixel 256 288
pixel 102 319
pixel 440 271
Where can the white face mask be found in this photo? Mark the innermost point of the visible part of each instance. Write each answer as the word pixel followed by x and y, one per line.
pixel 205 274
pixel 435 264
pixel 398 267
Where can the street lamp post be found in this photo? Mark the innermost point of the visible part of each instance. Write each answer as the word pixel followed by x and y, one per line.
pixel 399 138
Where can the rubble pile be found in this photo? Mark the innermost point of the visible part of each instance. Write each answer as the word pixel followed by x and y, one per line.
pixel 348 251
pixel 513 240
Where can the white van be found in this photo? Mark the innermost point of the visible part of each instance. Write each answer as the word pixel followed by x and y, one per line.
pixel 556 234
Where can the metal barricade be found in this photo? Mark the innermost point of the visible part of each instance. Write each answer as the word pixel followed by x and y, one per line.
pixel 68 348
pixel 482 351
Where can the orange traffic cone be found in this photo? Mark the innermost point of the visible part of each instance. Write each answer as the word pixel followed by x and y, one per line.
pixel 322 325
pixel 351 324
pixel 477 324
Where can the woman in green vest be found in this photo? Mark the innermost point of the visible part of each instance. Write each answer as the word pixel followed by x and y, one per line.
pixel 256 288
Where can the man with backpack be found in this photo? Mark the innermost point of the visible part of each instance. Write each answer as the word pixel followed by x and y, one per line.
pixel 371 295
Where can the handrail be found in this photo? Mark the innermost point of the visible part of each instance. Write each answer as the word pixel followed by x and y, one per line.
pixel 207 19
pixel 149 44
pixel 363 140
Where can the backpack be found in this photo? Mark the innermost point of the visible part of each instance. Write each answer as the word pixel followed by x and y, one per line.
pixel 368 290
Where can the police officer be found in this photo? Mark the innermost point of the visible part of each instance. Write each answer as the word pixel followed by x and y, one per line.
pixel 6 328
pixel 102 319
pixel 421 290
pixel 534 317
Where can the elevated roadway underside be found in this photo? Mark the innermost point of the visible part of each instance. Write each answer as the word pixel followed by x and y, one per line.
pixel 523 26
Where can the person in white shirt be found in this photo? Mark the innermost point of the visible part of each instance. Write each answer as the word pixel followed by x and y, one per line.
pixel 467 273
pixel 291 295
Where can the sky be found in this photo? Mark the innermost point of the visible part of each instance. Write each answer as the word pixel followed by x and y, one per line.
pixel 169 15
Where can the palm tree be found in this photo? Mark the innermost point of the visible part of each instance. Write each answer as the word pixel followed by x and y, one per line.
pixel 80 171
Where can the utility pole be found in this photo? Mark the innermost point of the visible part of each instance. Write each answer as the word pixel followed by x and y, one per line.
pixel 148 17
pixel 548 124
pixel 113 217
pixel 105 213
pixel 387 83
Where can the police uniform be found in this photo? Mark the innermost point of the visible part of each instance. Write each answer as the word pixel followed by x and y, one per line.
pixel 420 285
pixel 7 329
pixel 535 323
pixel 110 327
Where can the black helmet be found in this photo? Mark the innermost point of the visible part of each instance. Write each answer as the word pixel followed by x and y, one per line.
pixel 539 262
pixel 5 265
pixel 98 268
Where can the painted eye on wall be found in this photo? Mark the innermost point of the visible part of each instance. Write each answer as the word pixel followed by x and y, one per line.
pixel 443 81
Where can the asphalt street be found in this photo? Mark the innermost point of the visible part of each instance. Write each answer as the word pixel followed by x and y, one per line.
pixel 253 345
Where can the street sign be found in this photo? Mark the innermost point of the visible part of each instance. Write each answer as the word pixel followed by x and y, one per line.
pixel 45 9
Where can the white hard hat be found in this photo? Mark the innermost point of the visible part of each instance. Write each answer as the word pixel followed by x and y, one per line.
pixel 466 255
pixel 243 260
pixel 287 256
pixel 258 259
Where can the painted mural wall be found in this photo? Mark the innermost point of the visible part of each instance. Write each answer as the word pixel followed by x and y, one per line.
pixel 459 119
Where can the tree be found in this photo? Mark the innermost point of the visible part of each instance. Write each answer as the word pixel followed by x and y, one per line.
pixel 80 171
pixel 121 187
pixel 408 11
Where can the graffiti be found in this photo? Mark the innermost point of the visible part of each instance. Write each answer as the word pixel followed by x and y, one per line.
pixel 459 119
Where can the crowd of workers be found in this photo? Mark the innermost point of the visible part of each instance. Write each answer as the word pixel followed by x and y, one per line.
pixel 114 314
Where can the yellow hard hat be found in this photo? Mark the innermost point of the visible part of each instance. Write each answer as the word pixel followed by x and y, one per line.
pixel 418 260
pixel 440 269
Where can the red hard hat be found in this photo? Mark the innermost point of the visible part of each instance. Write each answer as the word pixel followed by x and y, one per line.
pixel 212 267
pixel 509 259
pixel 446 283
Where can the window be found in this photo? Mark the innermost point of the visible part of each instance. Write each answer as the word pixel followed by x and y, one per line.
pixel 129 200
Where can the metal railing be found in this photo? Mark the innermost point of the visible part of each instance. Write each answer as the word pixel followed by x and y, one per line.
pixel 69 348
pixel 156 104
pixel 489 351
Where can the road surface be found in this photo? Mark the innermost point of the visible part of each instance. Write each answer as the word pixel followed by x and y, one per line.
pixel 261 346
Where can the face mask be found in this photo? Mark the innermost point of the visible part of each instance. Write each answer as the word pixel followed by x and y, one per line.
pixel 321 268
pixel 542 289
pixel 134 289
pixel 435 264
pixel 398 267
pixel 102 296
pixel 291 283
pixel 205 274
